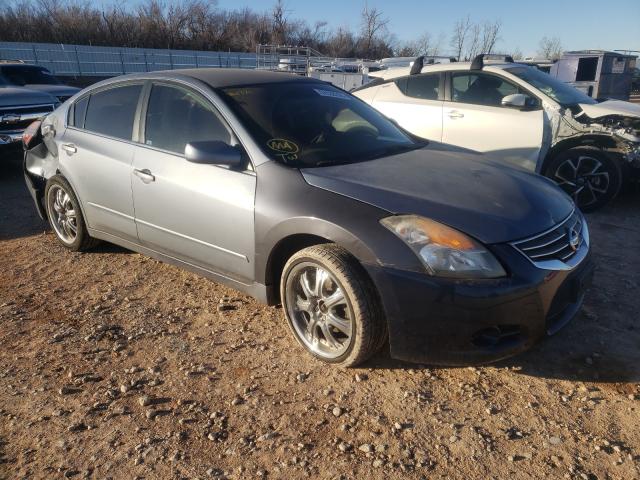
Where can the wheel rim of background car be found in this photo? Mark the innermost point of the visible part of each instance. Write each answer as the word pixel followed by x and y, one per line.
pixel 583 178
pixel 319 310
pixel 62 214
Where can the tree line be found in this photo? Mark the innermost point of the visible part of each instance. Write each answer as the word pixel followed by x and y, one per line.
pixel 202 25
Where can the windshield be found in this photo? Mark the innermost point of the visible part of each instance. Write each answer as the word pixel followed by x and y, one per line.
pixel 562 93
pixel 25 75
pixel 309 124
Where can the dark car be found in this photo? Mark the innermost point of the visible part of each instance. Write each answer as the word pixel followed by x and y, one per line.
pixel 19 107
pixel 296 192
pixel 34 77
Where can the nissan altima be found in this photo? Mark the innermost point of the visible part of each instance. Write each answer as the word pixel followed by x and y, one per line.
pixel 300 194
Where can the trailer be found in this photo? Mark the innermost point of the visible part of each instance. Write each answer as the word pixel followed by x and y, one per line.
pixel 600 74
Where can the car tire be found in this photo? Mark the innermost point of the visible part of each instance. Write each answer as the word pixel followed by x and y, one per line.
pixel 332 306
pixel 589 175
pixel 65 215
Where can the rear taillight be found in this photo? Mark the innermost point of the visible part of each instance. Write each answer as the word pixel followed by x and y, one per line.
pixel 32 132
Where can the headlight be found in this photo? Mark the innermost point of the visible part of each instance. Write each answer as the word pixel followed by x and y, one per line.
pixel 444 251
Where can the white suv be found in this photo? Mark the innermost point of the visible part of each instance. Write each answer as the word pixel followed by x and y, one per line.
pixel 517 114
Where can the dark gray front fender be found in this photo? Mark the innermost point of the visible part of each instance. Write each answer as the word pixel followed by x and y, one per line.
pixel 287 206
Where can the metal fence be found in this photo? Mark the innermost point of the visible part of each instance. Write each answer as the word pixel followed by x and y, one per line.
pixel 83 60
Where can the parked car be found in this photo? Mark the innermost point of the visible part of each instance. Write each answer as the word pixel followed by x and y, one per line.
pixel 519 115
pixel 34 77
pixel 296 192
pixel 19 107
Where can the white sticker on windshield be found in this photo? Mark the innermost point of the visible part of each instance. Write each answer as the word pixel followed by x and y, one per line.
pixel 333 94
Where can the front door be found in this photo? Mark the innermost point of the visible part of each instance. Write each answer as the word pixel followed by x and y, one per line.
pixel 200 214
pixel 474 118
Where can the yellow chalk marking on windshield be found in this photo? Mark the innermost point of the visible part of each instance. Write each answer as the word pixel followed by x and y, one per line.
pixel 282 145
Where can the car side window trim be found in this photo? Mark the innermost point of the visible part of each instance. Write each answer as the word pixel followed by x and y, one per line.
pixel 71 110
pixel 448 90
pixel 407 79
pixel 141 118
pixel 377 82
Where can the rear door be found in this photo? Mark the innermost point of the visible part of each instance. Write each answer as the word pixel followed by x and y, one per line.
pixel 474 118
pixel 415 102
pixel 200 214
pixel 97 154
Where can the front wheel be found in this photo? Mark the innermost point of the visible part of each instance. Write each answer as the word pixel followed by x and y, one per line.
pixel 592 177
pixel 331 305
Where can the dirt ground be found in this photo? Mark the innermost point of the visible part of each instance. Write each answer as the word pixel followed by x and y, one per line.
pixel 113 365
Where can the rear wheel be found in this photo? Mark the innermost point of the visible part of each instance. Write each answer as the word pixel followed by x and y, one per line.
pixel 65 216
pixel 592 177
pixel 331 305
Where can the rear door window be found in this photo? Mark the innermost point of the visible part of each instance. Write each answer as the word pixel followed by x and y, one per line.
pixel 111 112
pixel 423 86
pixel 79 112
pixel 177 116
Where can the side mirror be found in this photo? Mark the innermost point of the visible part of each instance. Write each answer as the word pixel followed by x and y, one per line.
pixel 517 100
pixel 214 153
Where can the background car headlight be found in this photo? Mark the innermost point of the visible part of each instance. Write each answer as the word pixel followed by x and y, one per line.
pixel 444 251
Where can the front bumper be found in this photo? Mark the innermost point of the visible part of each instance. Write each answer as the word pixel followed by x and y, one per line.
pixel 448 322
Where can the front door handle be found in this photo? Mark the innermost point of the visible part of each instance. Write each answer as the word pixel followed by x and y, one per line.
pixel 145 175
pixel 455 114
pixel 70 148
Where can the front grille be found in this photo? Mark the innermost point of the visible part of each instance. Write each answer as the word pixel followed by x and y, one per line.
pixel 18 118
pixel 560 243
pixel 10 127
pixel 17 110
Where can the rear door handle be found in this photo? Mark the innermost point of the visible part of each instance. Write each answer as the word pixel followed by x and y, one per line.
pixel 70 148
pixel 145 175
pixel 455 114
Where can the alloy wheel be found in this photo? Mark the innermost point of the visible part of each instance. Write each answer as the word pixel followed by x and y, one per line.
pixel 62 214
pixel 319 310
pixel 584 178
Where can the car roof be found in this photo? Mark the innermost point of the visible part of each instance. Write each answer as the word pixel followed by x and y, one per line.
pixel 222 77
pixel 396 72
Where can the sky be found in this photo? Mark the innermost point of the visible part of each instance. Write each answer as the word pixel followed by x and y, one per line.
pixel 584 24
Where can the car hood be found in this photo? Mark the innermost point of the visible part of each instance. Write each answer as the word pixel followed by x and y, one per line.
pixel 490 201
pixel 611 107
pixel 55 90
pixel 19 96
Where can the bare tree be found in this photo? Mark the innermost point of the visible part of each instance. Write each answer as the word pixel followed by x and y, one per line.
pixel 374 24
pixel 189 24
pixel 280 23
pixel 423 45
pixel 474 42
pixel 315 36
pixel 490 35
pixel 459 36
pixel 342 44
pixel 550 48
pixel 469 38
